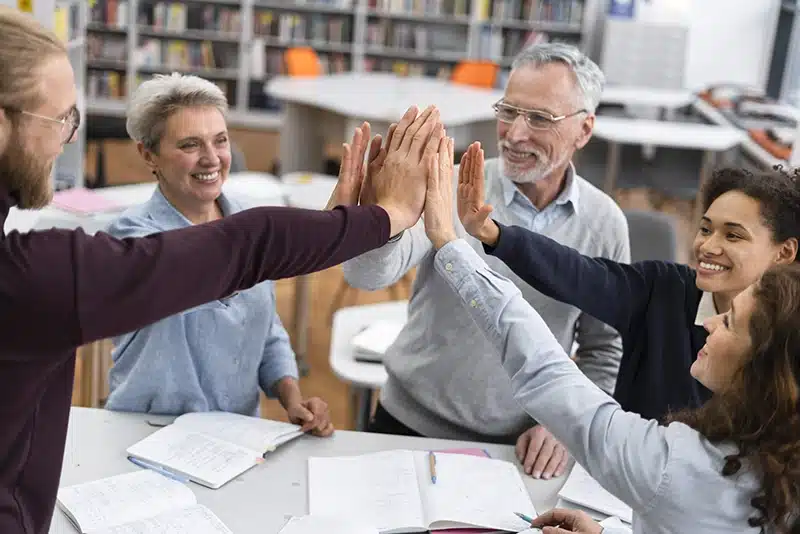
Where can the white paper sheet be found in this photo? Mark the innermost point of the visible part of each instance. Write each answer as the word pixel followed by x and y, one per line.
pixel 580 488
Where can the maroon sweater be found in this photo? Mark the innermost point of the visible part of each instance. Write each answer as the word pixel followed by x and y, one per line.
pixel 61 289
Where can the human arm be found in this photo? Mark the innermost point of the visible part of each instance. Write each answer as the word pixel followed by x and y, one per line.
pixel 386 265
pixel 63 288
pixel 622 451
pixel 614 293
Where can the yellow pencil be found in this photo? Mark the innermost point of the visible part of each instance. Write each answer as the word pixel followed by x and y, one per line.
pixel 432 463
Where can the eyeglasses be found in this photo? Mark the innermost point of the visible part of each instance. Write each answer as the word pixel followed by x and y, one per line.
pixel 534 118
pixel 69 124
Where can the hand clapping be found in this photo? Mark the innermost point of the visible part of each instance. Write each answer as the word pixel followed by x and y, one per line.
pixel 472 211
pixel 438 214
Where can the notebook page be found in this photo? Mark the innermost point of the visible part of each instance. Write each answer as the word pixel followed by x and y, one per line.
pixel 205 459
pixel 120 499
pixel 255 433
pixel 195 520
pixel 580 488
pixel 316 524
pixel 378 488
pixel 473 491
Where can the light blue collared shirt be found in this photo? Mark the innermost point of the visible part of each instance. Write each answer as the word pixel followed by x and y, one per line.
pixel 213 357
pixel 529 216
pixel 670 476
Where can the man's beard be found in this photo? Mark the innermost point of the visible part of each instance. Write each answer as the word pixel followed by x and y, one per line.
pixel 25 175
pixel 542 169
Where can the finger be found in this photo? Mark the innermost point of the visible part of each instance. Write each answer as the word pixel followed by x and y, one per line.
pixel 552 464
pixel 537 440
pixel 374 148
pixel 358 157
pixel 462 168
pixel 420 128
pixel 390 133
pixel 400 130
pixel 477 175
pixel 522 446
pixel 344 168
pixel 555 516
pixel 326 431
pixel 427 140
pixel 548 446
pixel 562 466
pixel 307 418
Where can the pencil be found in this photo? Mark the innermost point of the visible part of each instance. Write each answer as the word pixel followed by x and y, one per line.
pixel 432 463
pixel 524 517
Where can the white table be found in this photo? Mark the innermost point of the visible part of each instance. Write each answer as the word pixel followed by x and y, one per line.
pixel 709 139
pixel 260 500
pixel 332 105
pixel 628 95
pixel 362 377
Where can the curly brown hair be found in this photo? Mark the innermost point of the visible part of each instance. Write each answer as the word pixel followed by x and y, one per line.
pixel 760 412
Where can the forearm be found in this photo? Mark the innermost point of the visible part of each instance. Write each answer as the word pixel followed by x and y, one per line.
pixel 386 265
pixel 288 391
pixel 67 288
pixel 623 452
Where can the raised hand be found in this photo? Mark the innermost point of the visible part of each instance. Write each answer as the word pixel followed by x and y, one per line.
pixel 438 212
pixel 472 211
pixel 351 171
pixel 377 155
pixel 401 184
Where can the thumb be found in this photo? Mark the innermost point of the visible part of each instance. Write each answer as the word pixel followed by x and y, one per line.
pixel 303 413
pixel 484 212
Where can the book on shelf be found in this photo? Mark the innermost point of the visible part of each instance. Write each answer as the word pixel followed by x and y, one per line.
pixel 213 448
pixel 394 491
pixel 144 502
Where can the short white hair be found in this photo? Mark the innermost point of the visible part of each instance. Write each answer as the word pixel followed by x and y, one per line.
pixel 155 100
pixel 588 76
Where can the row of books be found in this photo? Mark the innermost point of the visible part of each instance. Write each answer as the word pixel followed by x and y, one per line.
pixel 560 11
pixel 300 28
pixel 421 7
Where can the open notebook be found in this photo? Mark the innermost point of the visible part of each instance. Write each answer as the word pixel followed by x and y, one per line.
pixel 393 491
pixel 371 343
pixel 142 502
pixel 212 448
pixel 582 490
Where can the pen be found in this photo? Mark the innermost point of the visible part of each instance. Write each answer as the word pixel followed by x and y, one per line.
pixel 524 517
pixel 432 463
pixel 157 469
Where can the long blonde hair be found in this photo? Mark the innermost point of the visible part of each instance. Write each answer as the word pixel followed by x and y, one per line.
pixel 26 44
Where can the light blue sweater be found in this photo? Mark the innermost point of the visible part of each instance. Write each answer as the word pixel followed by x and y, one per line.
pixel 671 476
pixel 214 357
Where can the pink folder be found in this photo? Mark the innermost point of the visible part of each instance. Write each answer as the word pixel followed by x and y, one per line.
pixel 83 201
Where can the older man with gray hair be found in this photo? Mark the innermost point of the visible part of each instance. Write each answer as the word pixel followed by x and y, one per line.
pixel 440 384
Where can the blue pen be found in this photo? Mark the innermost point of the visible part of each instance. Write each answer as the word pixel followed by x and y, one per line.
pixel 157 469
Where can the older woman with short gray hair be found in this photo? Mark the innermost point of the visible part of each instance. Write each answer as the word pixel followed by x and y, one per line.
pixel 215 357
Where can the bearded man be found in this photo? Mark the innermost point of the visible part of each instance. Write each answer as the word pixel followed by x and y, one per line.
pixel 440 384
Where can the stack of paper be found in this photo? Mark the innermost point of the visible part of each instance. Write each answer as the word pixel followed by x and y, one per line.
pixel 371 343
pixel 83 201
pixel 582 490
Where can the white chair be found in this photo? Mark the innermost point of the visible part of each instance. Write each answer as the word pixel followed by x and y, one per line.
pixel 362 377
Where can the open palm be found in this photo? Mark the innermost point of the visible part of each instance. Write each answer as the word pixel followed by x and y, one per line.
pixel 472 211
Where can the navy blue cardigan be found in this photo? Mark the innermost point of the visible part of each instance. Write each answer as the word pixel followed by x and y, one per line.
pixel 652 304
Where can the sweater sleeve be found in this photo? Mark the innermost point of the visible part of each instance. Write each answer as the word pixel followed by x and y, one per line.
pixel 626 454
pixel 63 288
pixel 617 294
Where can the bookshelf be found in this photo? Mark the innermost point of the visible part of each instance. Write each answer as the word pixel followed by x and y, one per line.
pixel 239 44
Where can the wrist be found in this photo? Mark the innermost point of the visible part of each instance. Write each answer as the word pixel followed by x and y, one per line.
pixel 440 240
pixel 396 222
pixel 489 234
pixel 288 391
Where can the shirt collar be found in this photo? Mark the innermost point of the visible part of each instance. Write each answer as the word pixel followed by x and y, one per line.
pixel 162 210
pixel 568 196
pixel 706 309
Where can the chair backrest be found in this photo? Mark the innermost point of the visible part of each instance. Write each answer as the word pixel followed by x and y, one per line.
pixel 653 236
pixel 481 74
pixel 302 61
